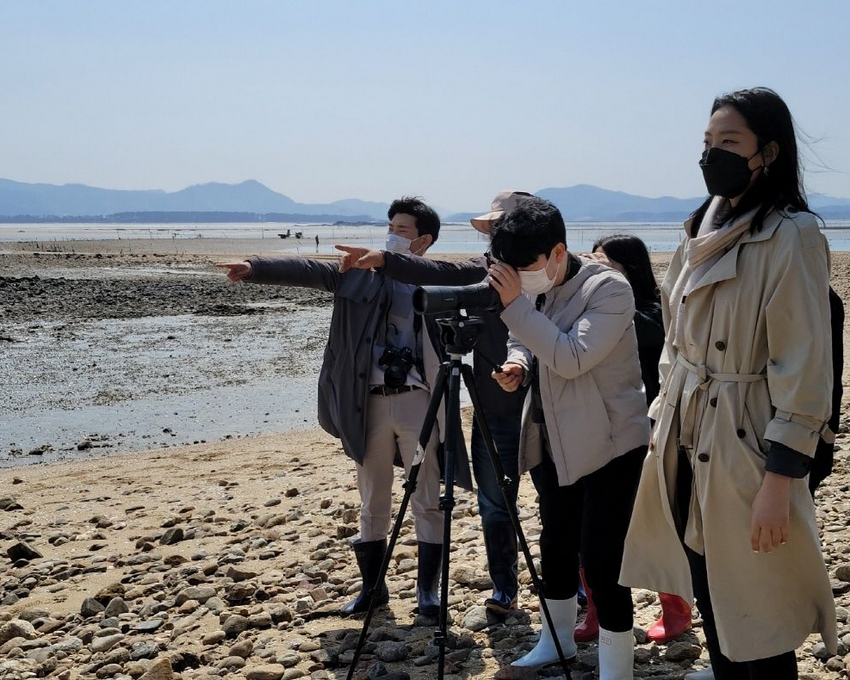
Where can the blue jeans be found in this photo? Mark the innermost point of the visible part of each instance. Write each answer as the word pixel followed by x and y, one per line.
pixel 505 432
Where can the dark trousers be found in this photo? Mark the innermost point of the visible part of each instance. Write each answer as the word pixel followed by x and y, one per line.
pixel 782 667
pixel 592 517
pixel 505 431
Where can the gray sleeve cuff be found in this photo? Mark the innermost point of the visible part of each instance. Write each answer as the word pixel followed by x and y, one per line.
pixel 787 462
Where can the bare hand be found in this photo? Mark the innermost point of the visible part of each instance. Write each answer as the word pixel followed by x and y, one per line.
pixel 770 515
pixel 510 378
pixel 236 271
pixel 505 280
pixel 360 258
pixel 599 256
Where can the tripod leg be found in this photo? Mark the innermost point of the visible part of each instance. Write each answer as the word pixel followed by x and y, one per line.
pixel 409 488
pixel 504 485
pixel 447 502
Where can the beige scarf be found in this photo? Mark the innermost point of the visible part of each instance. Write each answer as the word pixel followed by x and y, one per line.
pixel 701 253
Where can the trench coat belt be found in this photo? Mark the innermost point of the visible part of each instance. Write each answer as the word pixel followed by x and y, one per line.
pixel 687 405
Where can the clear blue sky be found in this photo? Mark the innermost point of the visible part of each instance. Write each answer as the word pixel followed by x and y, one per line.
pixel 451 100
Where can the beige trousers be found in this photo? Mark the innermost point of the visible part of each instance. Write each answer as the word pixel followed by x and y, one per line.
pixel 395 421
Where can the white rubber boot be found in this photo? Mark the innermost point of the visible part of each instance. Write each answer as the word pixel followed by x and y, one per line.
pixel 564 619
pixel 616 655
pixel 705 674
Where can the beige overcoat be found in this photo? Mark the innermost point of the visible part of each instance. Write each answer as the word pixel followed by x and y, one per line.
pixel 755 365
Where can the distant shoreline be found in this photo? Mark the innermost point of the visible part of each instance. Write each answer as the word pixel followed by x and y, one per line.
pixel 191 218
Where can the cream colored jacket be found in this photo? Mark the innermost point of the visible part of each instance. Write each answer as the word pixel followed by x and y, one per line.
pixel 754 365
pixel 590 382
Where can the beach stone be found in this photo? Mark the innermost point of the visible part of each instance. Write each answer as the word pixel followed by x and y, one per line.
pixel 148 626
pixel 390 651
pixel 159 670
pixel 263 620
pixel 70 645
pixel 243 648
pixel 289 660
pixel 14 643
pixel 16 628
pixel 272 671
pixel 119 655
pixel 116 607
pixel 642 655
pixel 91 607
pixel 377 670
pixel 214 638
pixel 235 625
pixel 144 650
pixel 819 651
pixel 172 536
pixel 282 614
pixel 199 593
pixel 478 618
pixel 842 573
pixel 33 613
pixel 105 595
pixel 109 670
pixel 8 503
pixel 231 662
pixel 216 605
pixel 238 574
pixel 293 674
pixel 835 664
pixel 104 644
pixel 328 657
pixel 682 651
pixel 23 551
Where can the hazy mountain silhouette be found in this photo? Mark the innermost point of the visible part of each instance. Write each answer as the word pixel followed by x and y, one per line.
pixel 20 198
pixel 579 203
pixel 588 203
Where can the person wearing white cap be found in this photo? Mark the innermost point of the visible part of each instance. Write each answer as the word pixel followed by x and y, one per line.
pixel 502 409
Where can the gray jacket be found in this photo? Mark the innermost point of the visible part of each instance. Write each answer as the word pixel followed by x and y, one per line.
pixel 594 403
pixel 360 306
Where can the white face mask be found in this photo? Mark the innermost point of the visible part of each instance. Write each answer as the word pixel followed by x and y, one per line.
pixel 398 244
pixel 537 281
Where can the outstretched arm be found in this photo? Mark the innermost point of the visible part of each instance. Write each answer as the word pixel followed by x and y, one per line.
pixel 285 271
pixel 414 269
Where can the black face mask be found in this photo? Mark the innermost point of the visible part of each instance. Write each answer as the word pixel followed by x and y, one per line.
pixel 726 174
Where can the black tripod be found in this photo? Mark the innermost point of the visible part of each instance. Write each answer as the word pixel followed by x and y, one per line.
pixel 458 336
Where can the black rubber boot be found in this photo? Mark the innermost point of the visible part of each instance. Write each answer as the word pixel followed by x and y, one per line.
pixel 501 544
pixel 369 557
pixel 428 581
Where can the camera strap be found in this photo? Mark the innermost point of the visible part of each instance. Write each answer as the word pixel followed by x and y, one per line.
pixel 417 355
pixel 536 399
pixel 417 331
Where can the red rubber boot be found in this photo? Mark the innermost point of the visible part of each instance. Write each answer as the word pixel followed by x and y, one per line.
pixel 675 619
pixel 588 629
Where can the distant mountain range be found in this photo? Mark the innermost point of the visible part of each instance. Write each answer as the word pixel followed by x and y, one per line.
pixel 252 201
pixel 251 197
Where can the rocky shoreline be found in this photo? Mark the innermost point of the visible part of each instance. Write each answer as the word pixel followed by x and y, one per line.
pixel 232 559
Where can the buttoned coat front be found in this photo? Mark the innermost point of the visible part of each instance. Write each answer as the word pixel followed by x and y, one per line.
pixel 753 366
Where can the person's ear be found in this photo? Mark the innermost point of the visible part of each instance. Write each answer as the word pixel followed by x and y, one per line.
pixel 770 153
pixel 560 252
pixel 424 242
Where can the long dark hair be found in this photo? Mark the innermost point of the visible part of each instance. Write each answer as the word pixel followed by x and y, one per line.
pixel 632 253
pixel 781 188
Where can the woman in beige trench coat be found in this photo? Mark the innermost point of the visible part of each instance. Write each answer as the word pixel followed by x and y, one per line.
pixel 723 512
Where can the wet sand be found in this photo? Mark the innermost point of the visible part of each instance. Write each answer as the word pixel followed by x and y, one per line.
pixel 259 525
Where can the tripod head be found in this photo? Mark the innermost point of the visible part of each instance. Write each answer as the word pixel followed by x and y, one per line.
pixel 459 333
